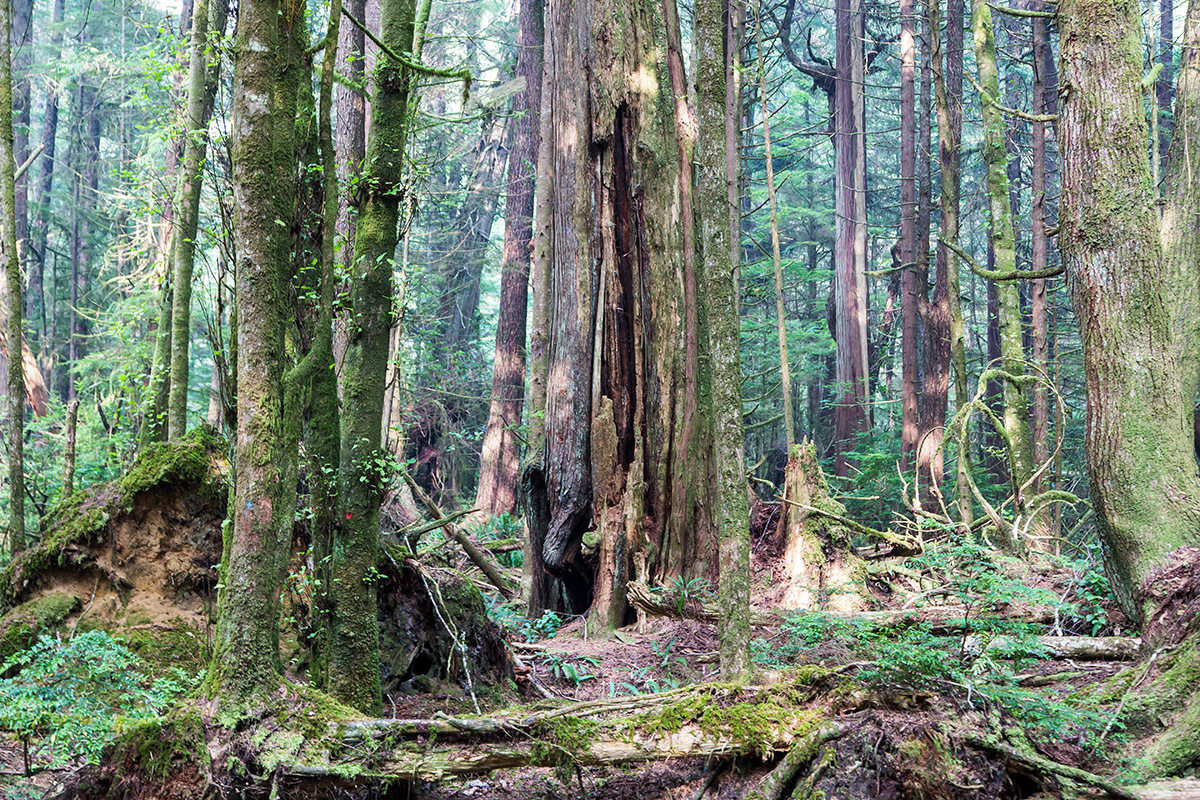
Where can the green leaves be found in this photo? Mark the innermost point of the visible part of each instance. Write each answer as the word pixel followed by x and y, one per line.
pixel 72 698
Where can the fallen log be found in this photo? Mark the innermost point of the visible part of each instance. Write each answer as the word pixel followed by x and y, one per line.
pixel 713 720
pixel 688 742
pixel 1082 648
pixel 485 564
pixel 666 602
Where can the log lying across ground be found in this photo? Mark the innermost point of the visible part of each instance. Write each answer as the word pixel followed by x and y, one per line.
pixel 722 721
pixel 665 602
pixel 719 720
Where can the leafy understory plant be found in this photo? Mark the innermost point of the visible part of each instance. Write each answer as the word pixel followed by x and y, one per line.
pixel 67 699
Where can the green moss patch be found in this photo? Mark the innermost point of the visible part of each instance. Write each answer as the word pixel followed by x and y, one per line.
pixel 20 627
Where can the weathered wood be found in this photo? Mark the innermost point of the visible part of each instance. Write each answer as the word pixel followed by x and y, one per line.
pixel 485 564
pixel 1084 648
pixel 665 602
pixel 615 745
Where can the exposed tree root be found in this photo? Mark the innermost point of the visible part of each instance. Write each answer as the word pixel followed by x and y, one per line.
pixel 776 784
pixel 1045 765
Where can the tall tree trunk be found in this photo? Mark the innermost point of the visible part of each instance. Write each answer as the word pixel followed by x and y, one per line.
pixel 201 91
pixel 535 579
pixel 626 443
pixel 1136 292
pixel 1164 86
pixel 852 377
pixel 245 653
pixel 37 280
pixel 354 639
pixel 935 311
pixel 910 279
pixel 351 144
pixel 86 195
pixel 947 84
pixel 12 271
pixel 789 417
pixel 716 42
pixel 322 435
pixel 1019 444
pixel 1039 321
pixel 497 493
pixel 22 57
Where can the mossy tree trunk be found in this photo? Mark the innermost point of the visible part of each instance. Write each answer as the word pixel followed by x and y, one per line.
pixel 322 432
pixel 821 570
pixel 1136 292
pixel 625 446
pixel 911 289
pixel 245 656
pixel 716 42
pixel 12 271
pixel 354 635
pixel 1019 442
pixel 207 16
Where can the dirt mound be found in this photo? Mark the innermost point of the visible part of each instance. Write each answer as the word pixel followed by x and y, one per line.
pixel 138 552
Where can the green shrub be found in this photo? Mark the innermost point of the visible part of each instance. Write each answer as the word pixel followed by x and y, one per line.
pixel 70 699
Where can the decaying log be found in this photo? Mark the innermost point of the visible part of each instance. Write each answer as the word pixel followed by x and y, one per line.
pixel 1083 648
pixel 577 734
pixel 1046 766
pixel 666 602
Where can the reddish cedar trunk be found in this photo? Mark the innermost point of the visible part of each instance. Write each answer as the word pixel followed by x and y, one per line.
pixel 910 279
pixel 625 446
pixel 935 310
pixel 850 252
pixel 497 492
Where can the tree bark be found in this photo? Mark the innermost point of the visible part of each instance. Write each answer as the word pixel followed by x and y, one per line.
pixel 497 493
pixel 15 410
pixel 789 416
pixel 716 43
pixel 1164 85
pixel 851 416
pixel 1019 445
pixel 202 87
pixel 246 650
pixel 910 279
pixel 37 282
pixel 1039 320
pixel 947 84
pixel 1136 294
pixel 354 642
pixel 626 447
